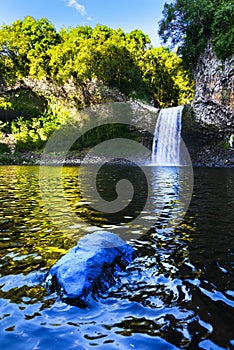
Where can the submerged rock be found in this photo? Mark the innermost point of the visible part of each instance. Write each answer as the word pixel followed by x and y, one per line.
pixel 91 266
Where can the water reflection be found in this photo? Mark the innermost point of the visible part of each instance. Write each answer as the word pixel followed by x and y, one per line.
pixel 73 199
pixel 178 293
pixel 29 239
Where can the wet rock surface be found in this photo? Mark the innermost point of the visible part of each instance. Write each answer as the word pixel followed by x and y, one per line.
pixel 213 156
pixel 90 267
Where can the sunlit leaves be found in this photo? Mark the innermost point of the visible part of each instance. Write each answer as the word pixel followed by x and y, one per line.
pixel 124 60
pixel 24 48
pixel 163 72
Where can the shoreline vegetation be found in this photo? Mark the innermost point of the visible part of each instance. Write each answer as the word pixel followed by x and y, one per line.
pixel 47 77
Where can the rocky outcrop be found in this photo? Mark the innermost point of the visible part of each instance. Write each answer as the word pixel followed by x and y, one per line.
pixel 207 145
pixel 29 97
pixel 214 93
pixel 208 124
pixel 73 94
pixel 90 267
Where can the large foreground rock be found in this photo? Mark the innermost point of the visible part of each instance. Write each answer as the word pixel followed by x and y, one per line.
pixel 89 267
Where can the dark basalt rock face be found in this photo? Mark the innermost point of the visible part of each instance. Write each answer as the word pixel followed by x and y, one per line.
pixel 208 123
pixel 214 89
pixel 207 145
pixel 90 267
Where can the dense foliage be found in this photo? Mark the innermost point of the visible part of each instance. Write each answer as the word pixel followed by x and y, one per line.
pixel 24 48
pixel 127 61
pixel 189 24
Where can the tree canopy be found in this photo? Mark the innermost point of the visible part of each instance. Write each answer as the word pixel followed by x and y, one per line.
pixel 189 24
pixel 33 48
pixel 24 48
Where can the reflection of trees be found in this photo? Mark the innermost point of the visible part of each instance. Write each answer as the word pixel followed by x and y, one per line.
pixel 29 241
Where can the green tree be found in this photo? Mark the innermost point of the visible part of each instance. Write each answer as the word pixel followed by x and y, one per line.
pixel 102 53
pixel 169 82
pixel 24 48
pixel 63 55
pixel 188 24
pixel 223 30
pixel 137 42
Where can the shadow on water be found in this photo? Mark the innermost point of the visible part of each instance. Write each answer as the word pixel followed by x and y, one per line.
pixel 178 293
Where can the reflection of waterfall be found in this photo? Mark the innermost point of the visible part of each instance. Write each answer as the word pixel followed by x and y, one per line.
pixel 167 137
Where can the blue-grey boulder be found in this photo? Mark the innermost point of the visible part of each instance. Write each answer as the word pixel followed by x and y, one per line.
pixel 90 267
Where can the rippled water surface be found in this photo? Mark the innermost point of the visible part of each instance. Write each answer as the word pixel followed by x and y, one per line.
pixel 178 293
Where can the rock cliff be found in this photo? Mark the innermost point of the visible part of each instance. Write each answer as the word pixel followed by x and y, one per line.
pixel 214 91
pixel 209 126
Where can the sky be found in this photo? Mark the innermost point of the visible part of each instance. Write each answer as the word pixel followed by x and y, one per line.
pixel 125 14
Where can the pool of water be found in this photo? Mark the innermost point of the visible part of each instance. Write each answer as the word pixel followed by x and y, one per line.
pixel 178 293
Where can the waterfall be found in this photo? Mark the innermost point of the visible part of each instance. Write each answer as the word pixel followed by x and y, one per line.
pixel 167 137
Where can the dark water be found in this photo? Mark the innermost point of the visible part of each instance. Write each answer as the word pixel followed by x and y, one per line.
pixel 178 293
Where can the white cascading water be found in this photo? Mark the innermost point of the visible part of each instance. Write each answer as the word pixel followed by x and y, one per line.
pixel 167 137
